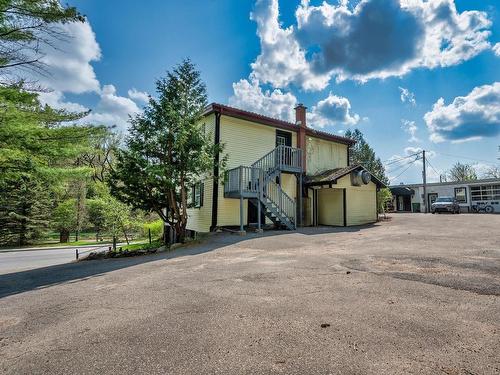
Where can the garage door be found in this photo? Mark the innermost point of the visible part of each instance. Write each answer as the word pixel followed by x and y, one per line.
pixel 361 206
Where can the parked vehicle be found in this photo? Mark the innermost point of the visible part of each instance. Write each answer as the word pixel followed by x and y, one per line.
pixel 482 207
pixel 445 204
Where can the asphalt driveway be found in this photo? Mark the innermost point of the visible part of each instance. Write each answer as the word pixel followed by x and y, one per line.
pixel 416 294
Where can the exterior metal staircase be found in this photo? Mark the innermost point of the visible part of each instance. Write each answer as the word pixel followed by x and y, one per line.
pixel 257 183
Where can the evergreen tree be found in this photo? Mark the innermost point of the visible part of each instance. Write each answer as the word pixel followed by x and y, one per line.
pixel 167 149
pixel 36 153
pixel 27 24
pixel 24 210
pixel 362 153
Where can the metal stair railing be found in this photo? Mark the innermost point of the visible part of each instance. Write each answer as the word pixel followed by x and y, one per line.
pixel 284 204
pixel 280 158
pixel 242 180
pixel 257 181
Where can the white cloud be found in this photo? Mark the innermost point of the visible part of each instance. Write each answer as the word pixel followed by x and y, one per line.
pixel 56 100
pixel 138 96
pixel 496 49
pixel 281 60
pixel 407 96
pixel 112 109
pixel 250 96
pixel 333 110
pixel 411 128
pixel 350 43
pixel 68 65
pixel 467 118
pixel 68 60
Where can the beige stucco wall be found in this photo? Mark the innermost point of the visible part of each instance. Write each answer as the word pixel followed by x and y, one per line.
pixel 361 204
pixel 289 184
pixel 323 155
pixel 245 142
pixel 200 219
pixel 361 201
pixel 330 207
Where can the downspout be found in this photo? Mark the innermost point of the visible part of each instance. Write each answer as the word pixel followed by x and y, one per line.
pixel 300 121
pixel 215 187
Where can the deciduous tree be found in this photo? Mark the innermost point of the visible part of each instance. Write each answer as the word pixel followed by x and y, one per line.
pixel 462 172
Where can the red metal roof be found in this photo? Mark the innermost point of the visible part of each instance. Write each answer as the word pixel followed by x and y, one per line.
pixel 271 121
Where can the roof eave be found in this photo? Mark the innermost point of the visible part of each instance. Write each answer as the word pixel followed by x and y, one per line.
pixel 265 120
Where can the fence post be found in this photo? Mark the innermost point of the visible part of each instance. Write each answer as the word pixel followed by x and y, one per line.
pixel 114 243
pixel 149 230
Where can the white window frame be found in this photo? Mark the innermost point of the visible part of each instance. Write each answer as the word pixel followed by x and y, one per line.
pixel 464 189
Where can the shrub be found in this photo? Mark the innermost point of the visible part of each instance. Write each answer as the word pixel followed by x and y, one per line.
pixel 156 229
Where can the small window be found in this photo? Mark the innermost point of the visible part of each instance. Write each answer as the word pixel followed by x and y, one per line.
pixel 198 195
pixel 461 194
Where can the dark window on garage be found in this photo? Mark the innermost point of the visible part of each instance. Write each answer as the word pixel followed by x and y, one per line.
pixel 461 194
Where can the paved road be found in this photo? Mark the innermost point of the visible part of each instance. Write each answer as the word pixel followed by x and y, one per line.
pixel 15 261
pixel 419 294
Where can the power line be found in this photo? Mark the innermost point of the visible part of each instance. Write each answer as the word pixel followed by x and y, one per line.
pixel 409 165
pixel 392 161
pixel 466 157
pixel 400 167
pixel 434 169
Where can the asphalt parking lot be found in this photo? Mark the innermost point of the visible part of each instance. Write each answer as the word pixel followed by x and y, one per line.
pixel 416 294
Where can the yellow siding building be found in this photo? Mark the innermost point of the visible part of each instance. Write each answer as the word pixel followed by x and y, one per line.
pixel 289 173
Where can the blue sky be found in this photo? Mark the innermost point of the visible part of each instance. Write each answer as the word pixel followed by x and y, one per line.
pixel 350 70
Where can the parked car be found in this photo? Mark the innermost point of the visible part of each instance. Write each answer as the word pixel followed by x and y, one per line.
pixel 445 204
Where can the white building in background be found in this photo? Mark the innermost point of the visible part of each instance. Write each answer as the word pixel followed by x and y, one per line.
pixel 470 194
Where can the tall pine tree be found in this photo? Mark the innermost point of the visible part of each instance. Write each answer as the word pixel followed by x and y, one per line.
pixel 362 153
pixel 36 152
pixel 167 149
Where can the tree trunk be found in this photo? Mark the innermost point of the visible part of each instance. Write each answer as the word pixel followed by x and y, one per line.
pixel 125 234
pixel 64 236
pixel 22 234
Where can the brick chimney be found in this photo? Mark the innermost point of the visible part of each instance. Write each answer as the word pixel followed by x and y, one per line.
pixel 301 122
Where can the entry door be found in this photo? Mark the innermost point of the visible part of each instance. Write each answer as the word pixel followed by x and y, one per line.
pixel 432 199
pixel 283 138
pixel 400 203
pixel 253 213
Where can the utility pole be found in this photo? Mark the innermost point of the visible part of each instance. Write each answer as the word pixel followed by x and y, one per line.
pixel 424 178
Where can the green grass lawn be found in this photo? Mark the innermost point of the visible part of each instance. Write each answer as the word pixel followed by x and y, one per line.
pixel 84 242
pixel 143 245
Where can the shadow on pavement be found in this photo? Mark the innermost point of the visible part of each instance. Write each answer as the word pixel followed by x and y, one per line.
pixel 39 278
